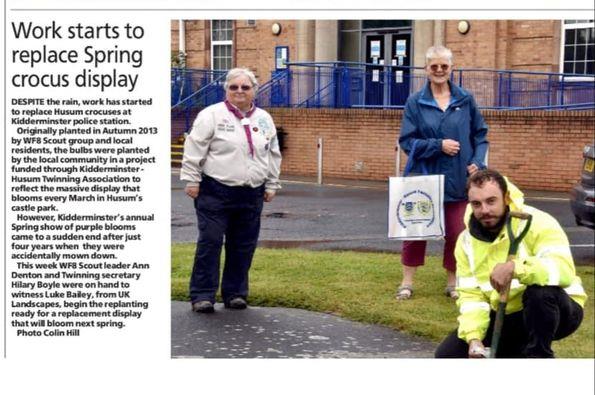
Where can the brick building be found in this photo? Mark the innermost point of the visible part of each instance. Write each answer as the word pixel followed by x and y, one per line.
pixel 536 149
pixel 541 45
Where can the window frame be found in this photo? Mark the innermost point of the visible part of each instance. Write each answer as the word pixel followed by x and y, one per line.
pixel 221 43
pixel 572 26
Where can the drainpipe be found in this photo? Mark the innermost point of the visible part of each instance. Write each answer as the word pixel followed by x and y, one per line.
pixel 182 42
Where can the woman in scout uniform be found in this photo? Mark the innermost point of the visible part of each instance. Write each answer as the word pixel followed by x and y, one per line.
pixel 231 164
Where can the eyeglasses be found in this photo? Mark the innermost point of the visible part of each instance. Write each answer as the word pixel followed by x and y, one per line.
pixel 242 87
pixel 435 67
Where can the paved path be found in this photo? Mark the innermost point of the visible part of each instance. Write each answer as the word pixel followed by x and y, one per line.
pixel 275 332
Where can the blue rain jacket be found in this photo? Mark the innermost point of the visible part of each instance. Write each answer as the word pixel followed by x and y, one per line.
pixel 425 123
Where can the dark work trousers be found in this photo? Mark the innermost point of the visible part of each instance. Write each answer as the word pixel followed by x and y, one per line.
pixel 548 314
pixel 233 212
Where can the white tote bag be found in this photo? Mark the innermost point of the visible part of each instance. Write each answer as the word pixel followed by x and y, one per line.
pixel 416 207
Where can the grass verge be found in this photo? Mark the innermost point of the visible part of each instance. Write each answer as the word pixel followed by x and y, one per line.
pixel 361 287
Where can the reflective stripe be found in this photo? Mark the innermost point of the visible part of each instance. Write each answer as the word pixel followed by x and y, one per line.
pixel 560 250
pixel 552 271
pixel 575 289
pixel 515 284
pixel 522 253
pixel 470 306
pixel 487 287
pixel 468 250
pixel 467 282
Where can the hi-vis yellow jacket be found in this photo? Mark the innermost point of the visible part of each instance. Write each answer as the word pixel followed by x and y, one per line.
pixel 543 258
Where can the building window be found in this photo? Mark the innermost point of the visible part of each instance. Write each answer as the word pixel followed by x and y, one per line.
pixel 349 40
pixel 578 51
pixel 221 44
pixel 385 24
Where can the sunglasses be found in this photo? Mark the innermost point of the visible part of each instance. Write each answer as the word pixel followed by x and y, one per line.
pixel 435 67
pixel 242 87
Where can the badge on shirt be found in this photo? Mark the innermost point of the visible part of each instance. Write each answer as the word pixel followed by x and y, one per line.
pixel 263 125
pixel 225 127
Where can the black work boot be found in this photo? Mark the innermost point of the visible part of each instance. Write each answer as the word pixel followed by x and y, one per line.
pixel 203 306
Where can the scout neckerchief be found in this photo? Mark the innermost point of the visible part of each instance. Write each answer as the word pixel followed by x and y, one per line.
pixel 244 121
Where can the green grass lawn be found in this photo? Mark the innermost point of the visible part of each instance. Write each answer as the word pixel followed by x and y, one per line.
pixel 361 287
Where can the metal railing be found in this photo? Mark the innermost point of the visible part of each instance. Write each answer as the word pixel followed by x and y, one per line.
pixel 195 87
pixel 275 92
pixel 366 85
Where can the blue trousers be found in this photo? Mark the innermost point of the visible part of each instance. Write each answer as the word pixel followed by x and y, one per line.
pixel 233 212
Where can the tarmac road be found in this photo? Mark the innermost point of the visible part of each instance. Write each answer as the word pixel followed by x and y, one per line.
pixel 353 216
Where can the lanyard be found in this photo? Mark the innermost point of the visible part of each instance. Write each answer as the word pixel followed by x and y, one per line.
pixel 244 121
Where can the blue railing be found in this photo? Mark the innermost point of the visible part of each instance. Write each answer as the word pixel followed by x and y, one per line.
pixel 276 92
pixel 195 87
pixel 366 85
pixel 207 89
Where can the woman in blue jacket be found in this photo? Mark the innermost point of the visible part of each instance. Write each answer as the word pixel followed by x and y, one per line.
pixel 450 136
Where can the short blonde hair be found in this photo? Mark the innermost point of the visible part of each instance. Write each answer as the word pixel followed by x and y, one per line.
pixel 438 51
pixel 240 71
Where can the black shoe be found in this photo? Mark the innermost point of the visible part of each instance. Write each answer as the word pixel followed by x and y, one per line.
pixel 203 306
pixel 236 303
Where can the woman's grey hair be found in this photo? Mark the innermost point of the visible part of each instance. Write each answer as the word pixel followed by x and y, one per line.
pixel 438 51
pixel 237 72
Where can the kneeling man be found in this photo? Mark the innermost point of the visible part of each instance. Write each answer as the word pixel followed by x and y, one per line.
pixel 546 297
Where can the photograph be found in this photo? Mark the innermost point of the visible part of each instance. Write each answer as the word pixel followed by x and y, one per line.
pixel 317 163
pixel 298 198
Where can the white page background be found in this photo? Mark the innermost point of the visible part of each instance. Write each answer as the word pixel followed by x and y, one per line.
pixel 137 360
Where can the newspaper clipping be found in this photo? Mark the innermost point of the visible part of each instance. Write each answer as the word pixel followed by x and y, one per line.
pixel 87 183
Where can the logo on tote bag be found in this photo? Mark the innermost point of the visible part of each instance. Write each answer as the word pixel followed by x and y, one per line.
pixel 416 207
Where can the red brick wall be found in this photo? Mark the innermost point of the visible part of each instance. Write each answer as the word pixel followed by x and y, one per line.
pixel 496 44
pixel 198 44
pixel 536 149
pixel 175 36
pixel 198 50
pixel 253 46
pixel 506 44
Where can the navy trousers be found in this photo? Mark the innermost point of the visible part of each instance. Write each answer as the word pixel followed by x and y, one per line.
pixel 548 314
pixel 233 212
